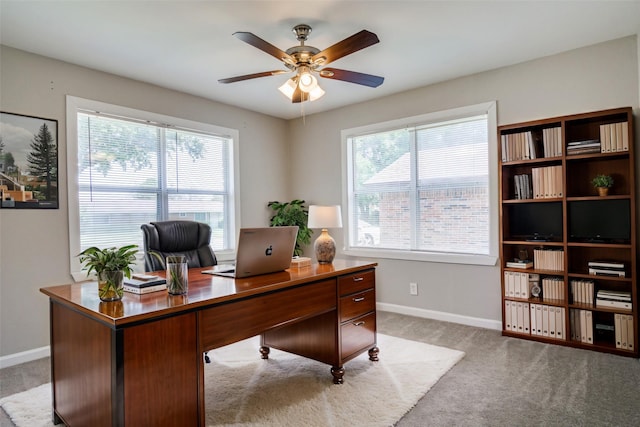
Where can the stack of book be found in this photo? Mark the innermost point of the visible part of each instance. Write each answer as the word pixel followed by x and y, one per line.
pixel 547 182
pixel 548 259
pixel 625 338
pixel 614 299
pixel 553 288
pixel 144 284
pixel 615 137
pixel 516 284
pixel 516 316
pixel 552 142
pixel 547 321
pixel 522 186
pixel 584 147
pixel 518 146
pixel 520 263
pixel 582 291
pixel 606 268
pixel 581 325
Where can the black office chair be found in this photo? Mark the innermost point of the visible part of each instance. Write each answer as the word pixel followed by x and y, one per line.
pixel 167 238
pixel 188 238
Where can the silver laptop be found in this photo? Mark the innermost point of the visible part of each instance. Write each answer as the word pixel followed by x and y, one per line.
pixel 260 251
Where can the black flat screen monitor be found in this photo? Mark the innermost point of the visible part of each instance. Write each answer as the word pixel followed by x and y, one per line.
pixel 605 221
pixel 536 221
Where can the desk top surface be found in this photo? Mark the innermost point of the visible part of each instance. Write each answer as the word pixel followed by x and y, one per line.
pixel 204 290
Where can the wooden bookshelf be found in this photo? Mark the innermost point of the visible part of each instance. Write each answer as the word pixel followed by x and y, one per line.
pixel 551 214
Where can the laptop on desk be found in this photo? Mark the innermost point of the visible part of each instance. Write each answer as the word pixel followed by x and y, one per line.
pixel 260 251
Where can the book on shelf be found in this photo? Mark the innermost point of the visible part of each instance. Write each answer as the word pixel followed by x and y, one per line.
pixel 520 264
pixel 606 264
pixel 519 146
pixel 584 150
pixel 614 295
pixel 552 142
pixel 522 186
pixel 615 137
pixel 607 303
pixel 547 182
pixel 606 272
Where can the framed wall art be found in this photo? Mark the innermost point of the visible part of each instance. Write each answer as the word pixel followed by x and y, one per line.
pixel 28 162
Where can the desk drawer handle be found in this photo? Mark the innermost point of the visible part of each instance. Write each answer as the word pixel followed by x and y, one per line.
pixel 358 279
pixel 359 323
pixel 358 299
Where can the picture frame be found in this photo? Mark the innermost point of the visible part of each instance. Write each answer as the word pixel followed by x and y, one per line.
pixel 28 162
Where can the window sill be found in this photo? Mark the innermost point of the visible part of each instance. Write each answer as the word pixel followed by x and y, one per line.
pixel 446 258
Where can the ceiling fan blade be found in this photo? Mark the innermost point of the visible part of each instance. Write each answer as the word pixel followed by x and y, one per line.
pixel 351 77
pixel 252 76
pixel 345 47
pixel 264 46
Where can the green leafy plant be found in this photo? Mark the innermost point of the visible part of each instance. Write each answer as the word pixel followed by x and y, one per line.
pixel 602 181
pixel 292 213
pixel 102 261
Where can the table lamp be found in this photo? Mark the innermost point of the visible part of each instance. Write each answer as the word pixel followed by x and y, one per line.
pixel 325 217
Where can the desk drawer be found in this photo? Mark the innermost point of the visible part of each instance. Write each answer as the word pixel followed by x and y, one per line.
pixel 356 282
pixel 358 335
pixel 357 304
pixel 244 318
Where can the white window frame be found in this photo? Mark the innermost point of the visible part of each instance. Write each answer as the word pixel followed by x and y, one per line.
pixel 488 108
pixel 73 107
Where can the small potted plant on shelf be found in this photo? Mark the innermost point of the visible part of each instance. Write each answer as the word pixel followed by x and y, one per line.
pixel 602 183
pixel 110 265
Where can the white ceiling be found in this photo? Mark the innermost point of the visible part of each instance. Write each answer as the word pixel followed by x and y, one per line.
pixel 188 45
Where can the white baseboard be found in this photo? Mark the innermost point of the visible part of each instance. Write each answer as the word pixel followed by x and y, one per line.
pixel 25 356
pixel 440 315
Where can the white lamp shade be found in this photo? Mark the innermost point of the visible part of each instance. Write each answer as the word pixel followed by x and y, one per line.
pixel 325 217
pixel 288 88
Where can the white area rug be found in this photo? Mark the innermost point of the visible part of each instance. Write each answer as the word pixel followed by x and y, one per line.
pixel 287 390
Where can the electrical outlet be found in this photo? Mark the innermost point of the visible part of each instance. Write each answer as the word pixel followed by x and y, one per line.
pixel 413 288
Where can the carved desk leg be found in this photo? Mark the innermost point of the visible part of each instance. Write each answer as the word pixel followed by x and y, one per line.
pixel 264 352
pixel 338 374
pixel 373 354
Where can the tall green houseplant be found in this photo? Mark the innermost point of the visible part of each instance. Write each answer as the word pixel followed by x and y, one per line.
pixel 292 213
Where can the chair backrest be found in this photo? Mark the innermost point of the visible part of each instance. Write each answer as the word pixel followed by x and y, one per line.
pixel 188 238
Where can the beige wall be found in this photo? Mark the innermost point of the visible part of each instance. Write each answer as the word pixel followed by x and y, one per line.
pixel 34 244
pixel 588 79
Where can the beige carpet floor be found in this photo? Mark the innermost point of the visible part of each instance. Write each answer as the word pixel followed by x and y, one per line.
pixel 243 390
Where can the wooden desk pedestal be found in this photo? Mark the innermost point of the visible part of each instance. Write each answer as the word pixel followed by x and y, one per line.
pixel 139 361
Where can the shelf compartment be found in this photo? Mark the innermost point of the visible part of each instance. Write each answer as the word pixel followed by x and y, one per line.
pixel 583 170
pixel 579 257
pixel 524 221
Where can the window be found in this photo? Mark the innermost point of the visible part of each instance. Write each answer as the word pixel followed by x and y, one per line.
pixel 129 167
pixel 420 188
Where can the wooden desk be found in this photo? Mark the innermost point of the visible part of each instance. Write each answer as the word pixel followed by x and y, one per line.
pixel 139 361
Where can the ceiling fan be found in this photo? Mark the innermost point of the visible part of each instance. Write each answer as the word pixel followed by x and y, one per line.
pixel 306 61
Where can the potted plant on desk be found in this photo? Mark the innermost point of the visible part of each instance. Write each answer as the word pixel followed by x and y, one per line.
pixel 602 183
pixel 110 265
pixel 292 213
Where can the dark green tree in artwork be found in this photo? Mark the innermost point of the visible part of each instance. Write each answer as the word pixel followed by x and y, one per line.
pixel 42 161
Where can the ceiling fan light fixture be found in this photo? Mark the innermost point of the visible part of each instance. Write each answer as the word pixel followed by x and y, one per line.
pixel 316 93
pixel 307 81
pixel 288 88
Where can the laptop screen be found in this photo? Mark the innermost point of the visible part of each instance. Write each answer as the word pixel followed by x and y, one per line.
pixel 263 250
